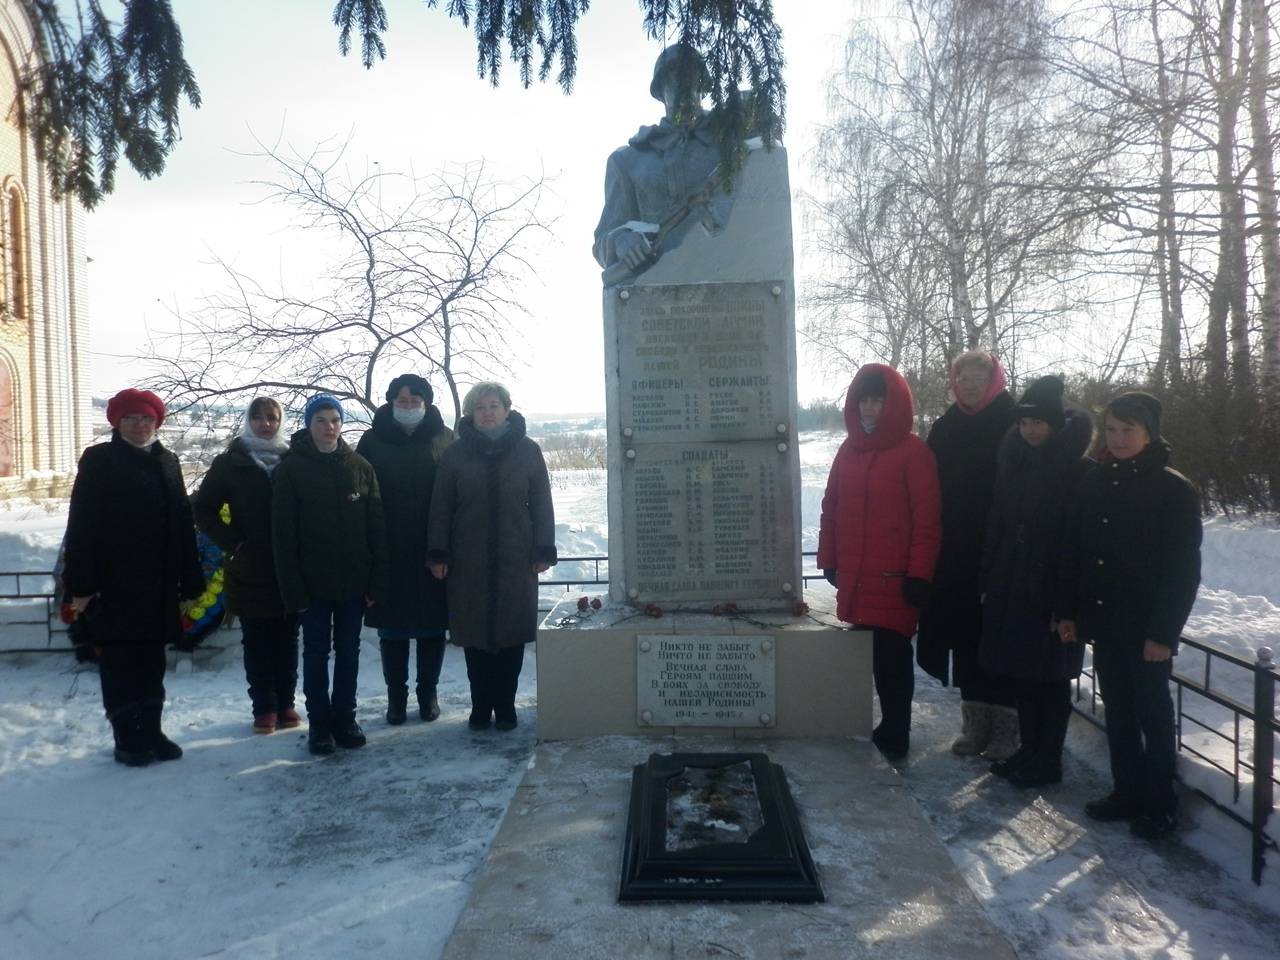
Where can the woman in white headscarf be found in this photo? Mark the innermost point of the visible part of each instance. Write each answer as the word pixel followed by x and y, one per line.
pixel 240 480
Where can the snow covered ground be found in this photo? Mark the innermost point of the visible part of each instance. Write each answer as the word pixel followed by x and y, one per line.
pixel 249 847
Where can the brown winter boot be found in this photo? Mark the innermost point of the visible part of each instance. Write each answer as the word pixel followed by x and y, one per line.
pixel 975 729
pixel 1004 734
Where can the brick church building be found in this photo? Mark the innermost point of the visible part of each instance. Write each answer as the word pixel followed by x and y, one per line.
pixel 44 329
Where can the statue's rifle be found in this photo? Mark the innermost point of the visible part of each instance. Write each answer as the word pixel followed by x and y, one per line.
pixel 700 199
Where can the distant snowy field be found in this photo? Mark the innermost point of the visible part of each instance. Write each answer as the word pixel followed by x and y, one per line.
pixel 248 847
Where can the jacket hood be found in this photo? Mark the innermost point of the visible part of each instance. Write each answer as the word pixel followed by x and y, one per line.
pixel 470 434
pixel 1066 446
pixel 385 427
pixel 1155 456
pixel 302 443
pixel 896 417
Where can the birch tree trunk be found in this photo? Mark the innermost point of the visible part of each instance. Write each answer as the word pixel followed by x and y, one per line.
pixel 1263 156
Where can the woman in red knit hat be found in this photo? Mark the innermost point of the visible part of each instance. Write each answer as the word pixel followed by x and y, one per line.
pixel 130 558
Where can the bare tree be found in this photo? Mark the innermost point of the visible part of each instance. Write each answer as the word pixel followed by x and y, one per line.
pixel 425 277
pixel 958 181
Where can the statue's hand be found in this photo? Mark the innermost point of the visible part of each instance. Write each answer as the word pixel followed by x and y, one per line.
pixel 632 249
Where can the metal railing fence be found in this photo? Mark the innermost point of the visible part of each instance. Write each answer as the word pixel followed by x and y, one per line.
pixel 1257 759
pixel 1257 717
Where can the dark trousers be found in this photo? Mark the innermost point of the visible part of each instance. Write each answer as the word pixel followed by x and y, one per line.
pixel 1140 727
pixel 395 664
pixel 133 692
pixel 494 678
pixel 894 671
pixel 270 661
pixel 331 625
pixel 977 685
pixel 1044 714
pixel 132 678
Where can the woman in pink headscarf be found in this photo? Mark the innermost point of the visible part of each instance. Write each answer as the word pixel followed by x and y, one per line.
pixel 965 440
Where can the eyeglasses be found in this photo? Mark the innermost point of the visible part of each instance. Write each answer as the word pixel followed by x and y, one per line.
pixel 137 419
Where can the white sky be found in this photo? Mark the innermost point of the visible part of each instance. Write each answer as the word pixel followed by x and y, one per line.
pixel 273 70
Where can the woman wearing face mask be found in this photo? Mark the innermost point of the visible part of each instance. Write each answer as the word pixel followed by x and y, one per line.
pixel 1130 571
pixel 404 445
pixel 878 539
pixel 239 479
pixel 965 440
pixel 492 531
pixel 130 557
pixel 329 541
pixel 1042 462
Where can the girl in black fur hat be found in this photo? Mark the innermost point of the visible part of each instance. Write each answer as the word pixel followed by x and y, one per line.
pixel 1039 469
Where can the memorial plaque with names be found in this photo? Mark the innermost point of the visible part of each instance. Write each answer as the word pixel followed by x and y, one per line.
pixel 705 681
pixel 704 361
pixel 710 520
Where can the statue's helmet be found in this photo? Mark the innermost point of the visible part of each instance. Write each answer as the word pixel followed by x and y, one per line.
pixel 679 60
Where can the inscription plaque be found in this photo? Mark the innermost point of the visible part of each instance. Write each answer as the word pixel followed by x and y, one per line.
pixel 705 681
pixel 709 520
pixel 704 362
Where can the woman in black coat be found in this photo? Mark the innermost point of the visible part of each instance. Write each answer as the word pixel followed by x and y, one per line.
pixel 964 441
pixel 403 445
pixel 1041 465
pixel 240 479
pixel 1130 571
pixel 130 558
pixel 492 531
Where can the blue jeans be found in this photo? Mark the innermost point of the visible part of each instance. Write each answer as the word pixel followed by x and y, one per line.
pixel 336 624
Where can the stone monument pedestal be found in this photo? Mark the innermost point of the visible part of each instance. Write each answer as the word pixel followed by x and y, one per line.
pixel 599 674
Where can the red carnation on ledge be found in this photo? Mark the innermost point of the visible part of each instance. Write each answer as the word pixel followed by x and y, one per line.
pixel 652 610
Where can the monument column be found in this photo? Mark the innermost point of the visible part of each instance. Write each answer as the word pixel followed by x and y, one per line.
pixel 704 471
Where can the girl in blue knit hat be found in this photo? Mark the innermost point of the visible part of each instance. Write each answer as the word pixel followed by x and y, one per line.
pixel 329 541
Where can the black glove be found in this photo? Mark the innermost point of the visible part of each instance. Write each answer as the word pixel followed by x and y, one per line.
pixel 916 591
pixel 829 574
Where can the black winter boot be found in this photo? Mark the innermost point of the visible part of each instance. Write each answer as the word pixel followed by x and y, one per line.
pixel 130 749
pixel 430 660
pixel 319 736
pixel 161 746
pixel 395 671
pixel 397 705
pixel 428 707
pixel 347 733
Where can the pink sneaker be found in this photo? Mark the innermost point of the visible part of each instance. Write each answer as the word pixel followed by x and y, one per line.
pixel 264 723
pixel 288 718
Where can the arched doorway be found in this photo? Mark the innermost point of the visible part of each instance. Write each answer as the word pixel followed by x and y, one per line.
pixel 8 424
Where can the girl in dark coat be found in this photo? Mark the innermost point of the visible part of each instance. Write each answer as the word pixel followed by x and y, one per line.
pixel 878 539
pixel 1041 465
pixel 965 440
pixel 329 541
pixel 492 531
pixel 239 479
pixel 130 558
pixel 403 445
pixel 1130 571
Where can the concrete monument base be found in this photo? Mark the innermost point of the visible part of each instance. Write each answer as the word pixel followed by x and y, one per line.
pixel 549 884
pixel 587 673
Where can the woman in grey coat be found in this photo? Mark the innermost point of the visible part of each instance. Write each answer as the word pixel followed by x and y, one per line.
pixel 491 532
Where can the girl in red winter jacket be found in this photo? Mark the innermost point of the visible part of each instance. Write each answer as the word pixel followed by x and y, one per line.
pixel 879 537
